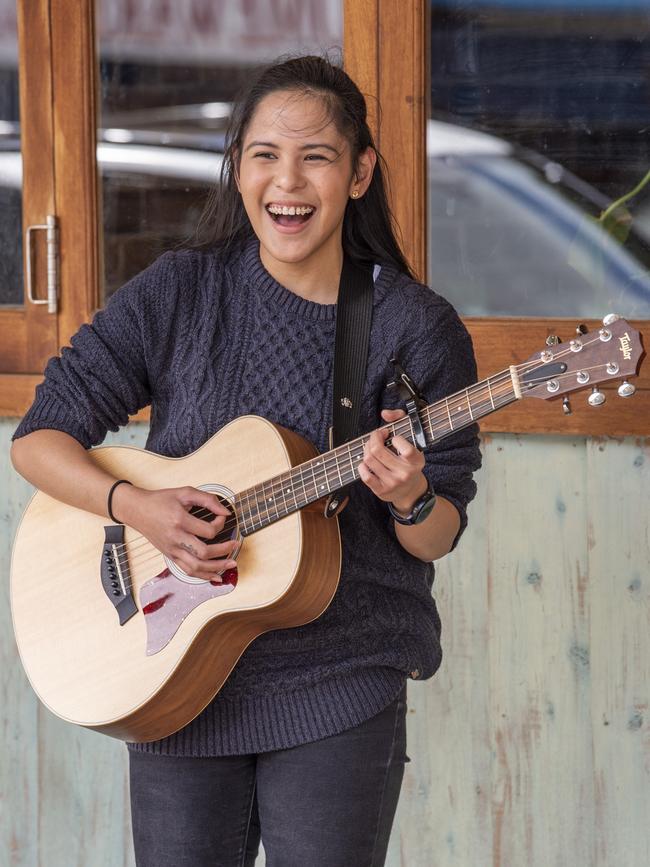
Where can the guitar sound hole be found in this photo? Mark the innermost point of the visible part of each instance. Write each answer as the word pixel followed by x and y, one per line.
pixel 230 528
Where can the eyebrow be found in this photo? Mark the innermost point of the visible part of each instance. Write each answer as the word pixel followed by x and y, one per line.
pixel 268 144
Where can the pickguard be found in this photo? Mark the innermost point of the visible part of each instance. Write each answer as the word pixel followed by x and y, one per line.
pixel 167 600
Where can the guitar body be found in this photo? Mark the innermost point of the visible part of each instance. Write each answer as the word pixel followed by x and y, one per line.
pixel 115 638
pixel 147 677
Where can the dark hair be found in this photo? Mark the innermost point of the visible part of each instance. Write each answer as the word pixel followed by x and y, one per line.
pixel 369 234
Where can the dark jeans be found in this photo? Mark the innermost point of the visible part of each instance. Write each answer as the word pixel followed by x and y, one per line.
pixel 329 803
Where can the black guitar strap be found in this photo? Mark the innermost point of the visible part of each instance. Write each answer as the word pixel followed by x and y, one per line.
pixel 353 318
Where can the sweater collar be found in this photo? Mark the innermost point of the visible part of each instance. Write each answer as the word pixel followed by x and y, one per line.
pixel 269 288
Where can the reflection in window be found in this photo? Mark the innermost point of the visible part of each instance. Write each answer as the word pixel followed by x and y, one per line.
pixel 168 74
pixel 539 176
pixel 11 279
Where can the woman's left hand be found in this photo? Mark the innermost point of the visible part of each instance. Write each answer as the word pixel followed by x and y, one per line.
pixel 393 474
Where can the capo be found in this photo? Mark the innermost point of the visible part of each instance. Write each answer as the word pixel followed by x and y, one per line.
pixel 415 401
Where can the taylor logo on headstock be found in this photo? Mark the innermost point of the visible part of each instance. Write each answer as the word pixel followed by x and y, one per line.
pixel 626 346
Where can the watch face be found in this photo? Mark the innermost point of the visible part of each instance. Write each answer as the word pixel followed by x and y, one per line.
pixel 425 510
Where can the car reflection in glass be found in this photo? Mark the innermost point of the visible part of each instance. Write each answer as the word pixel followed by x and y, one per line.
pixel 510 232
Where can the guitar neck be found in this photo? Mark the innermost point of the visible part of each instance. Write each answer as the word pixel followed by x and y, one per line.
pixel 282 495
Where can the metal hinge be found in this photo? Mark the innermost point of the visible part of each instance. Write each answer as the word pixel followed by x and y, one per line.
pixel 52 241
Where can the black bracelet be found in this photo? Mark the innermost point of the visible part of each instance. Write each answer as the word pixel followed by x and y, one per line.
pixel 109 502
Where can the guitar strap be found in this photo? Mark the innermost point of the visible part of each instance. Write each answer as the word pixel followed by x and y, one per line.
pixel 353 318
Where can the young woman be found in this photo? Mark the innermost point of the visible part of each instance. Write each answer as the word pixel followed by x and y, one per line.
pixel 306 740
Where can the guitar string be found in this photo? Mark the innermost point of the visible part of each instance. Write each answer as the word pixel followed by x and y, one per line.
pixel 456 402
pixel 355 454
pixel 396 428
pixel 399 427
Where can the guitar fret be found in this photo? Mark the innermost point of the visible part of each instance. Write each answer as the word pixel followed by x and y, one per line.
pixel 264 501
pixel 339 467
pixel 317 487
pixel 451 424
pixel 284 496
pixel 304 488
pixel 469 405
pixel 487 381
pixel 353 469
pixel 250 513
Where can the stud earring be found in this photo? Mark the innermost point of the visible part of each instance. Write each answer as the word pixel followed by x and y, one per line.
pixel 355 194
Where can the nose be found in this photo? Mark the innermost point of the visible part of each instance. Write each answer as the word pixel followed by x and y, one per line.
pixel 289 175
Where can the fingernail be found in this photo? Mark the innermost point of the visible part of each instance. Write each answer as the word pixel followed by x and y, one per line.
pixel 230 564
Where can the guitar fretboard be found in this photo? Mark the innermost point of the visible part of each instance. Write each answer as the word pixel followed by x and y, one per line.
pixel 282 495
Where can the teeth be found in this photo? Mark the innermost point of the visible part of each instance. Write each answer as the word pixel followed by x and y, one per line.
pixel 289 210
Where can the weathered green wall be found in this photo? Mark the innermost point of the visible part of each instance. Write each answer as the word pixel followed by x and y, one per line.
pixel 532 744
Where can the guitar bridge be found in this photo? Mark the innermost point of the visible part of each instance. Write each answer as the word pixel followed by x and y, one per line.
pixel 115 575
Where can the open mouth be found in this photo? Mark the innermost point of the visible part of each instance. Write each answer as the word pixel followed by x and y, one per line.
pixel 292 215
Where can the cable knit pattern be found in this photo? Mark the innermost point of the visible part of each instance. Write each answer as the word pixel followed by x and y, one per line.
pixel 206 338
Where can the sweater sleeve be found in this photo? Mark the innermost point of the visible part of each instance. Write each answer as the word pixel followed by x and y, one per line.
pixel 439 358
pixel 106 374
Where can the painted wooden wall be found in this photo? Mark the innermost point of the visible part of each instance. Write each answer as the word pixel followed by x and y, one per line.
pixel 532 744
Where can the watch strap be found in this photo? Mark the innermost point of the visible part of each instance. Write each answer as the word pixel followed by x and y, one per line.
pixel 421 508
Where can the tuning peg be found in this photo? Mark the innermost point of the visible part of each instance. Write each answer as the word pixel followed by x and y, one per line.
pixel 626 389
pixel 552 340
pixel 596 398
pixel 566 406
pixel 611 318
pixel 581 329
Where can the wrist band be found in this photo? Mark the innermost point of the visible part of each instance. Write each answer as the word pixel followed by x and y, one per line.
pixel 109 501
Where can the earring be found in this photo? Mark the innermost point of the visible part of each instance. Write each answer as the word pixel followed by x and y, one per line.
pixel 355 194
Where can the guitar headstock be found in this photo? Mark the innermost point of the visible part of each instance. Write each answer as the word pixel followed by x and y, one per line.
pixel 608 355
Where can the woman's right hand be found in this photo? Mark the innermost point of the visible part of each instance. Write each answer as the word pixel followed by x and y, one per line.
pixel 163 517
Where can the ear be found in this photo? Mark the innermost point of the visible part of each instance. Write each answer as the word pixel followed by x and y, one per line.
pixel 363 171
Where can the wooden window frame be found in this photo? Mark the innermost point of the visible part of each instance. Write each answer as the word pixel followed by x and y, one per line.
pixel 386 51
pixel 57 108
pixel 28 333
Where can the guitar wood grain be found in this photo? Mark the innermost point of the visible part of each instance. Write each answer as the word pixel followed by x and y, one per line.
pixel 91 671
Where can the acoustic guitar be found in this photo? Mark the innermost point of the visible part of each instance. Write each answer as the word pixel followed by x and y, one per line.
pixel 115 637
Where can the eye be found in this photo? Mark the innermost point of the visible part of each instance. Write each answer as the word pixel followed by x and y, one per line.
pixel 264 155
pixel 313 157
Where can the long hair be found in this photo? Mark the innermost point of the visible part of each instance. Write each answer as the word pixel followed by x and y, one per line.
pixel 369 234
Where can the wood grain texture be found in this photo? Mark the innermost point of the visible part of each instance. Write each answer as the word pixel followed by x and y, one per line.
pixel 619 660
pixel 444 815
pixel 74 76
pixel 500 342
pixel 385 53
pixel 538 643
pixel 17 393
pixel 361 53
pixel 63 789
pixel 19 766
pixel 531 744
pixel 403 100
pixel 28 333
pixel 90 669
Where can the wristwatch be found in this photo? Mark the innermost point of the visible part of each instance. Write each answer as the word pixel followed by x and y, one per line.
pixel 421 509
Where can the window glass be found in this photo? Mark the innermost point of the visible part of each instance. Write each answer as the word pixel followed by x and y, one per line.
pixel 11 280
pixel 538 168
pixel 168 74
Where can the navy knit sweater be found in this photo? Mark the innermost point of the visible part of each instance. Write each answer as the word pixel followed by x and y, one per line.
pixel 206 338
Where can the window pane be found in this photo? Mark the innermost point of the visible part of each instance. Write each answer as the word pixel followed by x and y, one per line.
pixel 168 73
pixel 11 277
pixel 539 169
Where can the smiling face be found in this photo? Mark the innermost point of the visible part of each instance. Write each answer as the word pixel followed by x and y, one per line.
pixel 295 179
